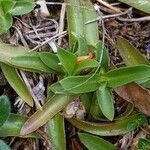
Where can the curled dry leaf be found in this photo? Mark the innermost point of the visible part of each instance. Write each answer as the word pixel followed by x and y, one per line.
pixel 137 95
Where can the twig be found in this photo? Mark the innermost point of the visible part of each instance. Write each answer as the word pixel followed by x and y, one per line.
pixel 53 46
pixel 41 36
pixel 105 9
pixel 109 16
pixel 21 36
pixel 24 76
pixel 61 21
pixel 126 140
pixel 30 89
pixel 25 24
pixel 43 8
pixel 19 103
pixel 41 29
pixel 117 10
pixel 114 4
pixel 147 18
pixel 34 29
pixel 50 39
pixel 50 3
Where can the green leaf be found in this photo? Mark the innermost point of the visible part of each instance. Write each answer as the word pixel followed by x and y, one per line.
pixel 124 75
pixel 90 30
pixel 80 84
pixel 145 83
pixel 89 63
pixel 82 47
pixel 12 7
pixel 20 57
pixel 143 144
pixel 95 111
pixel 75 21
pixel 4 109
pixel 105 57
pixel 114 78
pixel 86 99
pixel 131 56
pixel 5 22
pixel 142 5
pixel 56 132
pixel 57 88
pixel 51 60
pixel 105 101
pixel 22 7
pixel 94 142
pixel 50 94
pixel 49 110
pixel 7 51
pixel 13 125
pixel 68 60
pixel 30 62
pixel 4 146
pixel 6 6
pixel 114 128
pixel 17 83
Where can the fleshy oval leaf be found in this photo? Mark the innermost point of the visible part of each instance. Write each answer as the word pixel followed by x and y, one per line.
pixel 68 60
pixel 143 144
pixel 114 128
pixel 17 83
pixel 5 17
pixel 131 56
pixel 142 5
pixel 121 76
pixel 5 22
pixel 4 109
pixel 89 63
pixel 13 125
pixel 105 101
pixel 22 7
pixel 93 142
pixel 30 61
pixel 56 132
pixel 50 109
pixel 51 60
pixel 80 84
pixel 20 57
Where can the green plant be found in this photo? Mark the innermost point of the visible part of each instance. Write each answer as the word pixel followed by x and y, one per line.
pixel 143 144
pixel 83 71
pixel 10 8
pixel 95 143
pixel 10 124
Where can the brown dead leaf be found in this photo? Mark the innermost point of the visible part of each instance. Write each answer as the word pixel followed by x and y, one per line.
pixel 137 95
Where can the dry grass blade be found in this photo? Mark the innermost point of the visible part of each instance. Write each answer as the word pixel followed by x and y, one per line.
pixel 137 95
pixel 115 9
